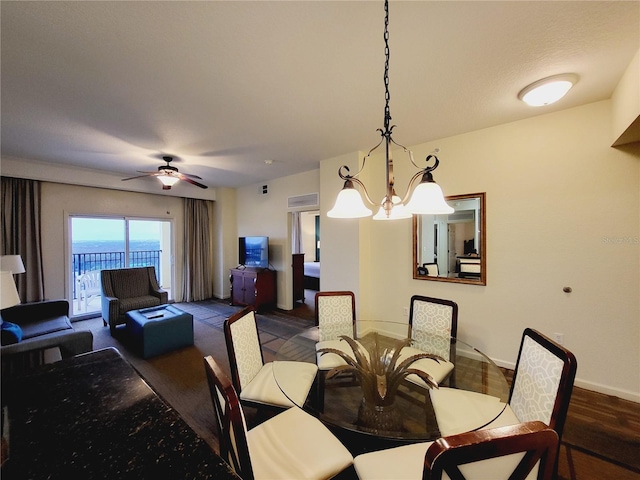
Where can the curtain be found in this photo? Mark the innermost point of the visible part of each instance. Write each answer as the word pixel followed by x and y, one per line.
pixel 296 233
pixel 21 234
pixel 197 281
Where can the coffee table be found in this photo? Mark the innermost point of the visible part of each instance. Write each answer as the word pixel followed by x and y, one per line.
pixel 161 329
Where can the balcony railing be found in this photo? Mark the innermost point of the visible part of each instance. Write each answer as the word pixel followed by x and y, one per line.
pixel 86 262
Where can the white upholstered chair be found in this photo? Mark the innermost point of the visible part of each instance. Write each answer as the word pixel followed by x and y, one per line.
pixel 433 325
pixel 252 378
pixel 335 316
pixel 290 445
pixel 518 452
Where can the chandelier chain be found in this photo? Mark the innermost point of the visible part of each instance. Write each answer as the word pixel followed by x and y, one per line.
pixel 387 95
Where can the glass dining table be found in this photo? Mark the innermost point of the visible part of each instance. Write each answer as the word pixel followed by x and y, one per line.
pixel 472 396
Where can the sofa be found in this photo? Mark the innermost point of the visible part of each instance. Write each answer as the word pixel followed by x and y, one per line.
pixel 126 289
pixel 29 329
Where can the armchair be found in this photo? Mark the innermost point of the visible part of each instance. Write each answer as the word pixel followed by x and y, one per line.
pixel 126 289
pixel 44 325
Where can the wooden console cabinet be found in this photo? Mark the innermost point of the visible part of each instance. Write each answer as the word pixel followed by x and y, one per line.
pixel 253 286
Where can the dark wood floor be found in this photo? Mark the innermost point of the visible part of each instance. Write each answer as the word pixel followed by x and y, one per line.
pixel 601 438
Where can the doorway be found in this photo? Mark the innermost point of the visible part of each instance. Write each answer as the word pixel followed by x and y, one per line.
pixel 98 243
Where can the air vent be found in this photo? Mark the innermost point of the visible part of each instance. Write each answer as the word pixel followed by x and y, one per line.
pixel 308 200
pixel 462 216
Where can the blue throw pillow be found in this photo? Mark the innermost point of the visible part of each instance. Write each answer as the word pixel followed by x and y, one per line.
pixel 11 333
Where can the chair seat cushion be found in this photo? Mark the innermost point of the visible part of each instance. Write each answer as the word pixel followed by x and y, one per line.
pixel 407 462
pixel 44 327
pixel 263 388
pixel 439 370
pixel 459 411
pixel 279 448
pixel 327 361
pixel 137 303
pixel 399 463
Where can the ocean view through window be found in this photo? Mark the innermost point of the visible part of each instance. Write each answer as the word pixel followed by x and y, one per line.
pixel 99 243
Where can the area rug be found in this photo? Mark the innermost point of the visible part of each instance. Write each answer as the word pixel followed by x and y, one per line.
pixel 179 377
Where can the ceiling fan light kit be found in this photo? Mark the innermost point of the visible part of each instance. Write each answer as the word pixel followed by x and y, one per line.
pixel 169 175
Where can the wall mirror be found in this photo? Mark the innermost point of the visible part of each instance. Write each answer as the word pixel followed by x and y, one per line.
pixel 452 248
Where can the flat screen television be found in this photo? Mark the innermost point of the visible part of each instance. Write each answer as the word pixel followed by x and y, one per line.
pixel 253 252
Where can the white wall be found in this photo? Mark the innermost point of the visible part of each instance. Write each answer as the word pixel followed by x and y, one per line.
pixel 563 209
pixel 225 241
pixel 268 215
pixel 60 200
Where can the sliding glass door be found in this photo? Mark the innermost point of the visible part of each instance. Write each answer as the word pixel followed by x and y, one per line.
pixel 98 243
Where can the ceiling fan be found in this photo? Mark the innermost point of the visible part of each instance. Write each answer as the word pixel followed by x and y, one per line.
pixel 169 175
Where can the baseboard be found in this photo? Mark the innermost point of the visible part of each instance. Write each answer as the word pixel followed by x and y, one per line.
pixel 587 385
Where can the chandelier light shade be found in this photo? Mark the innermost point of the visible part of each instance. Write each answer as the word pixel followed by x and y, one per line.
pixel 8 292
pixel 349 204
pixel 548 90
pixel 12 263
pixel 427 198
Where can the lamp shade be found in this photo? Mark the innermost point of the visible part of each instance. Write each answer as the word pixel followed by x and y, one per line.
pixel 12 263
pixel 427 198
pixel 8 292
pixel 399 211
pixel 349 204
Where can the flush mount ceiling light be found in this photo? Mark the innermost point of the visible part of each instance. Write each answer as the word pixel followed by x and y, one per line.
pixel 427 197
pixel 548 90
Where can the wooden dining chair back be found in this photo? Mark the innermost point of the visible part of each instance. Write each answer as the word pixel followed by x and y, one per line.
pixel 243 347
pixel 433 324
pixel 291 444
pixel 254 379
pixel 542 381
pixel 512 452
pixel 335 314
pixel 230 420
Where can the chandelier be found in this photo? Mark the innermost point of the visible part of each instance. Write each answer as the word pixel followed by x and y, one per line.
pixel 427 198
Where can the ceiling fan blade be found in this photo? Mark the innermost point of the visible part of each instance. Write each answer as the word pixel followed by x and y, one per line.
pixel 139 176
pixel 150 173
pixel 190 175
pixel 193 182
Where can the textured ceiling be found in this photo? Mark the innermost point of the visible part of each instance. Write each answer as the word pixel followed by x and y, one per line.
pixel 225 86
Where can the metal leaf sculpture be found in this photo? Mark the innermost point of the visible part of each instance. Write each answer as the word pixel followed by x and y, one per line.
pixel 379 373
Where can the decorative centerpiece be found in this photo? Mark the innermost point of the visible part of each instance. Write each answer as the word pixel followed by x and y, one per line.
pixel 380 376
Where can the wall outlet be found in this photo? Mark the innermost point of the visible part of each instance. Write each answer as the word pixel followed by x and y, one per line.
pixel 559 338
pixel 405 311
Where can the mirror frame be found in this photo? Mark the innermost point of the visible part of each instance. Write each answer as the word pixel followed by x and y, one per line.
pixel 482 280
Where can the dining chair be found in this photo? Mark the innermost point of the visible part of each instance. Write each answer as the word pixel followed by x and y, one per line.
pixel 433 326
pixel 542 381
pixel 335 316
pixel 292 444
pixel 518 452
pixel 432 269
pixel 252 377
